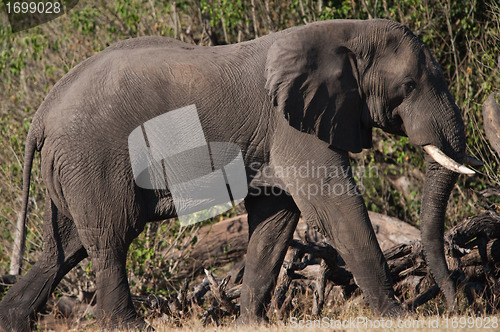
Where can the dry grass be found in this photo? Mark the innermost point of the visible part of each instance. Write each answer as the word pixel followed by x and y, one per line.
pixel 350 315
pixel 356 323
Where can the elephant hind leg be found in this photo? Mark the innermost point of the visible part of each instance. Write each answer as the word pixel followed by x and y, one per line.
pixel 62 250
pixel 272 219
pixel 107 248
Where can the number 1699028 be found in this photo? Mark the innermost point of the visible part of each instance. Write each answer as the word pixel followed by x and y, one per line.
pixel 32 7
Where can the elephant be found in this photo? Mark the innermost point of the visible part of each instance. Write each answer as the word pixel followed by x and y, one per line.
pixel 305 95
pixel 491 119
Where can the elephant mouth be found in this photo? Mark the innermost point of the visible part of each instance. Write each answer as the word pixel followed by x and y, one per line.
pixel 441 158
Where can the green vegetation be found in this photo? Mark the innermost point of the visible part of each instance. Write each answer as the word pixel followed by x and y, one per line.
pixel 464 38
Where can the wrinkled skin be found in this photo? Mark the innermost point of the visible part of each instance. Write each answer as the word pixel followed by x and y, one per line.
pixel 491 119
pixel 306 94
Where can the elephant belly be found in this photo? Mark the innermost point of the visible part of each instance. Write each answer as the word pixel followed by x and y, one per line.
pixel 161 207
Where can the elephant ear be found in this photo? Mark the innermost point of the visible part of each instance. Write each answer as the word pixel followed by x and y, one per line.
pixel 314 82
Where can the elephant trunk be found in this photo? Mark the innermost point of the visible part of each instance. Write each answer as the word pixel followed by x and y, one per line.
pixel 439 182
pixel 444 144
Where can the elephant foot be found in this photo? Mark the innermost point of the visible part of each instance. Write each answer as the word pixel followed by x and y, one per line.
pixel 250 320
pixel 390 308
pixel 394 311
pixel 137 324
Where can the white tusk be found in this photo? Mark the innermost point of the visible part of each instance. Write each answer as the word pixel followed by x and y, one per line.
pixel 446 161
pixel 471 161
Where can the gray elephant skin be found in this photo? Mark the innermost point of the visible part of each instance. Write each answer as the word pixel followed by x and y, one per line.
pixel 491 119
pixel 306 94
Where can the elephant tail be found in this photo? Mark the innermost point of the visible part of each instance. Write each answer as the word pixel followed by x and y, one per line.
pixel 34 143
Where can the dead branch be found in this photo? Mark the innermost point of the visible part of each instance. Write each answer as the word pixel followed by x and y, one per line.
pixel 219 292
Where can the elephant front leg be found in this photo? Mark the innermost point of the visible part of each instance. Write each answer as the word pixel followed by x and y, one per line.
pixel 356 242
pixel 344 221
pixel 324 190
pixel 272 220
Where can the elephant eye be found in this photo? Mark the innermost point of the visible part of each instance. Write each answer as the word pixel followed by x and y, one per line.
pixel 409 87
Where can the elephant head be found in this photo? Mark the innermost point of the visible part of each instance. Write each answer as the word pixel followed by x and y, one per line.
pixel 337 81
